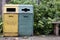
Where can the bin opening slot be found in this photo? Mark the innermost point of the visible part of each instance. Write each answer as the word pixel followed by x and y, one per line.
pixel 11 9
pixel 25 9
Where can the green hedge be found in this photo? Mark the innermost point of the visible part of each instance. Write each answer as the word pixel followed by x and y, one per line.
pixel 44 14
pixel 0 24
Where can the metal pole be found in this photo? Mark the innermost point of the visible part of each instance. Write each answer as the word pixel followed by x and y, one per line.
pixel 7 1
pixel 0 7
pixel 38 2
pixel 3 2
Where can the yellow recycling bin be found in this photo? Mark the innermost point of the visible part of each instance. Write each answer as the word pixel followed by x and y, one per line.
pixel 10 20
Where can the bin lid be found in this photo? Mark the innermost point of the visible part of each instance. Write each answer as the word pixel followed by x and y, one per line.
pixel 26 9
pixel 10 8
pixel 11 5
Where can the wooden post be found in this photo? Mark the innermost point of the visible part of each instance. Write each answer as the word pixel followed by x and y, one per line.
pixel 3 2
pixel 0 7
pixel 56 29
pixel 38 2
pixel 7 1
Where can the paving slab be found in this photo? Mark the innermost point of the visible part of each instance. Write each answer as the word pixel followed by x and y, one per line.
pixel 32 38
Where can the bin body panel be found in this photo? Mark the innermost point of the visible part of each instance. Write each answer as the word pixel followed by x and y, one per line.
pixel 26 24
pixel 10 24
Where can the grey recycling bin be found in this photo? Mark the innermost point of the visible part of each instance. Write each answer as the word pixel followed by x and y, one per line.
pixel 25 19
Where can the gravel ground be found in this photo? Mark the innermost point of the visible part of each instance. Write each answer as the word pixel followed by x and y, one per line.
pixel 31 38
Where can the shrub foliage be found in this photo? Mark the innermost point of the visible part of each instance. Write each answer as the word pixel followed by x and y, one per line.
pixel 44 14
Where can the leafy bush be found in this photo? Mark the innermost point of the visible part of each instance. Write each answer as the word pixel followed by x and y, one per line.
pixel 44 14
pixel 0 24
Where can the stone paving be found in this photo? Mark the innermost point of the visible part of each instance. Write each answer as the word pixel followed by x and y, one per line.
pixel 32 38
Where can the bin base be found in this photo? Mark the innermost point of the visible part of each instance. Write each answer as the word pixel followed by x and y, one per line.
pixel 10 34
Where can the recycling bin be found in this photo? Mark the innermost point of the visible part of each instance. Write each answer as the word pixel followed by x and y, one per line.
pixel 25 18
pixel 10 20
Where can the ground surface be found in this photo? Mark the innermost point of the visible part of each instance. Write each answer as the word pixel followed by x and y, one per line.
pixel 31 38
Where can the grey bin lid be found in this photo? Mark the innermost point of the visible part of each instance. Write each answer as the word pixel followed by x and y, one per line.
pixel 25 8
